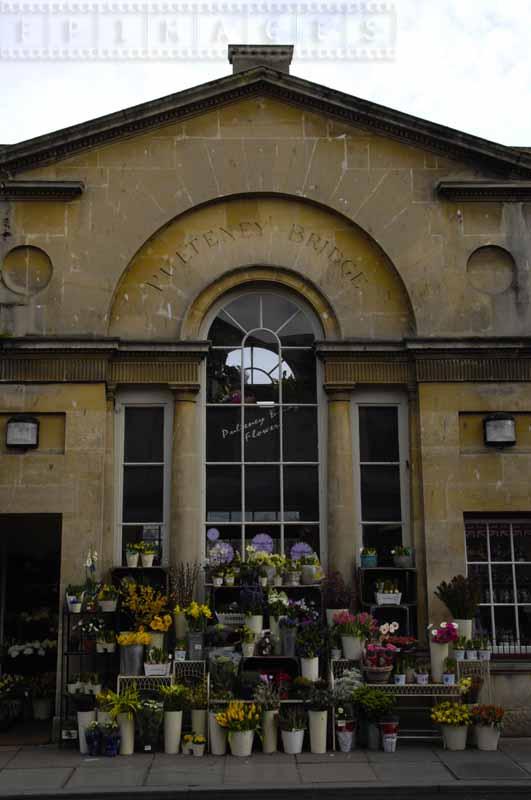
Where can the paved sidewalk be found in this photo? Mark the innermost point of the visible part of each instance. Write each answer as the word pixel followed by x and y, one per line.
pixel 431 771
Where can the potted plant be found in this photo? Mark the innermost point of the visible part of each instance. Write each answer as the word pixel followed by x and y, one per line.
pixel 197 616
pixel 90 627
pixel 217 577
pixel 459 648
pixel 484 649
pixel 471 652
pixel 179 653
pixel 93 684
pixel 123 708
pixel 277 604
pixel 198 745
pixel 319 700
pixel 461 596
pixel 42 689
pixel 292 723
pixel 399 677
pixel 252 605
pixel 86 712
pixel 354 630
pixel 288 635
pixel 440 637
pixel 292 573
pixel 132 555
pixel 337 596
pixel 157 662
pixel 378 662
pixel 73 684
pixel 310 567
pixel 310 639
pixel 93 738
pixel 132 652
pixel 186 744
pixel 278 561
pixel 387 593
pixel 104 702
pixel 449 671
pixel 488 720
pixel 345 727
pixel 108 597
pixel 199 703
pixel 74 598
pixel 266 696
pixel 175 699
pixel 334 639
pixel 183 580
pixel 374 705
pixel 149 719
pixel 422 673
pixel 229 577
pixel 217 736
pixel 402 557
pixel 241 721
pixel 454 719
pixel 368 557
pixel 148 551
pixel 110 738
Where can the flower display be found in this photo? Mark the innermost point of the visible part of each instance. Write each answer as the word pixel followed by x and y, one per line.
pixel 197 615
pixel 90 626
pixel 161 623
pixel 443 634
pixel 240 717
pixel 107 592
pixel 143 603
pixel 35 648
pixel 138 637
pixel 380 655
pixel 360 625
pixel 277 603
pixel 257 558
pixel 487 715
pixel 450 713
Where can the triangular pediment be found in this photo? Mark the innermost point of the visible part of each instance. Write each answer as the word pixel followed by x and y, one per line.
pixel 263 81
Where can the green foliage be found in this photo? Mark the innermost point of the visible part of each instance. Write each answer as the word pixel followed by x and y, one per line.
pixel 373 703
pixel 175 698
pixel 128 702
pixel 292 718
pixel 461 596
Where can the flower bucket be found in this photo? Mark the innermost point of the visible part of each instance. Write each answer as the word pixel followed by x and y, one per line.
pixel 241 743
pixel 330 615
pixel 389 741
pixel 269 732
pixel 110 744
pixel 127 734
pixel 352 647
pixel 403 562
pixel 198 750
pixel 377 674
pixel 484 655
pixel 454 736
pixel 132 659
pixel 471 655
pixel 422 678
pixel 388 598
pixel 346 735
pixel 179 655
pixel 83 719
pixel 93 739
pixel 317 724
pixel 487 737
pixel 74 608
pixel 369 562
pixel 199 721
pixel 438 655
pixel 132 560
pixel 180 625
pixel 288 637
pixel 448 678
pixel 399 679
pixel 217 580
pixel 173 721
pixel 217 736
pixel 147 559
pixel 292 742
pixel 308 574
pixel 273 627
pixel 247 649
pixel 108 606
pixel 195 646
pixel 255 623
pixel 157 669
pixel 293 578
pixel 310 668
pixel 459 655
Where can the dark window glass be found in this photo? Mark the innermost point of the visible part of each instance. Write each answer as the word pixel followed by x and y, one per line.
pixel 502 583
pixel 380 493
pixel 298 376
pixel 476 542
pixel 301 493
pixel 223 434
pixel 262 494
pixel 500 541
pixel 273 531
pixel 384 538
pixel 481 571
pixel 297 332
pixel 276 310
pixel 505 622
pixel 523 583
pixel 524 618
pixel 378 433
pixel 484 623
pixel 223 494
pixel 246 311
pixel 262 434
pixel 224 376
pixel 522 541
pixel 300 433
pixel 144 440
pixel 301 533
pixel 225 533
pixel 143 494
pixel 225 331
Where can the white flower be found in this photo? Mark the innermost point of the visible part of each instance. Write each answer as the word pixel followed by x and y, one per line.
pixel 40 652
pixel 443 624
pixel 384 629
pixel 28 651
pixel 394 626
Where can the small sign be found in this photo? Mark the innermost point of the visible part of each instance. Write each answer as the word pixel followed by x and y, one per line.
pixel 22 432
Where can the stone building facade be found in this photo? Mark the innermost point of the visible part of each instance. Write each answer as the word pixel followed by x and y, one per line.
pixel 404 244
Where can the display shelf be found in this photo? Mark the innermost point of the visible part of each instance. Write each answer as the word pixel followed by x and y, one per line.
pixel 144 683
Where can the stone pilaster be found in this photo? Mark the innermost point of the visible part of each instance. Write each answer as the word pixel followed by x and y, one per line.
pixel 341 502
pixel 185 532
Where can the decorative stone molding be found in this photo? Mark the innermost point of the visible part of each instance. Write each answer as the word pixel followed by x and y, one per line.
pixel 41 190
pixel 485 191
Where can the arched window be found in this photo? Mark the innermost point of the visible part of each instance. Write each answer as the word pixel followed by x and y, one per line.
pixel 262 448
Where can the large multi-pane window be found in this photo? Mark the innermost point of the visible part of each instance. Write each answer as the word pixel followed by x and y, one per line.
pixel 143 459
pixel 262 453
pixel 380 447
pixel 499 553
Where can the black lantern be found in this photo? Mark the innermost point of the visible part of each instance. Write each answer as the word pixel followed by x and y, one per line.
pixel 499 430
pixel 22 432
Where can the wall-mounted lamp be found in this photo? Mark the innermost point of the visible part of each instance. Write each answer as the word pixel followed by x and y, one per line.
pixel 22 432
pixel 499 430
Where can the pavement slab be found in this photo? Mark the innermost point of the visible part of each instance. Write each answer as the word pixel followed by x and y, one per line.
pixel 477 765
pixel 45 778
pixel 407 754
pixel 261 773
pixel 97 777
pixel 165 776
pixel 332 758
pixel 45 757
pixel 401 772
pixel 353 772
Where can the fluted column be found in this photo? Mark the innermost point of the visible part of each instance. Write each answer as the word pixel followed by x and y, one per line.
pixel 341 502
pixel 185 534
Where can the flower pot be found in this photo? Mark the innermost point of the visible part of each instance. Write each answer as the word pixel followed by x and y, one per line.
pixel 110 744
pixel 93 739
pixel 277 580
pixel 262 581
pixel 373 736
pixel 217 736
pixel 288 637
pixel 352 647
pixel 108 606
pixel 484 655
pixel 42 707
pixel 346 735
pixel 186 748
pixel 247 649
pixel 310 668
pixel 422 678
pixel 229 580
pixel 471 655
pixel 308 574
pixel 198 750
pixel 389 741
pixel 255 623
pixel 448 678
pixel 100 647
pixel 157 669
pixel 199 716
pixel 459 655
pixel 317 724
pixel 72 688
pixel 195 645
pixel 438 655
pixel 369 562
pixel 377 674
pixel 487 737
pixel 127 734
pixel 330 615
pixel 75 608
pixel 454 736
pixel 179 655
pixel 335 654
pixel 273 627
pixel 180 625
pixel 83 719
pixel 103 716
pixel 94 688
pixel 147 559
pixel 217 580
pixel 132 559
pixel 173 721
pixel 292 742
pixel 403 562
pixel 465 627
pixel 270 572
pixel 292 578
pixel 241 743
pixel 399 679
pixel 132 659
pixel 269 731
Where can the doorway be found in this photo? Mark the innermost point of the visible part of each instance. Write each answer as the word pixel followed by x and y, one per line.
pixel 30 564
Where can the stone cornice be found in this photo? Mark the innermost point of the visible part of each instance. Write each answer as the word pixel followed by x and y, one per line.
pixel 502 160
pixel 485 191
pixel 41 190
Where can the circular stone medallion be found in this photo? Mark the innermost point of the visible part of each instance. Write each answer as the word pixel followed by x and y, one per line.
pixel 26 270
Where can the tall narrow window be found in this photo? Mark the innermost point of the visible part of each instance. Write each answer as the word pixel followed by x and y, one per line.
pixel 144 455
pixel 381 465
pixel 262 454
